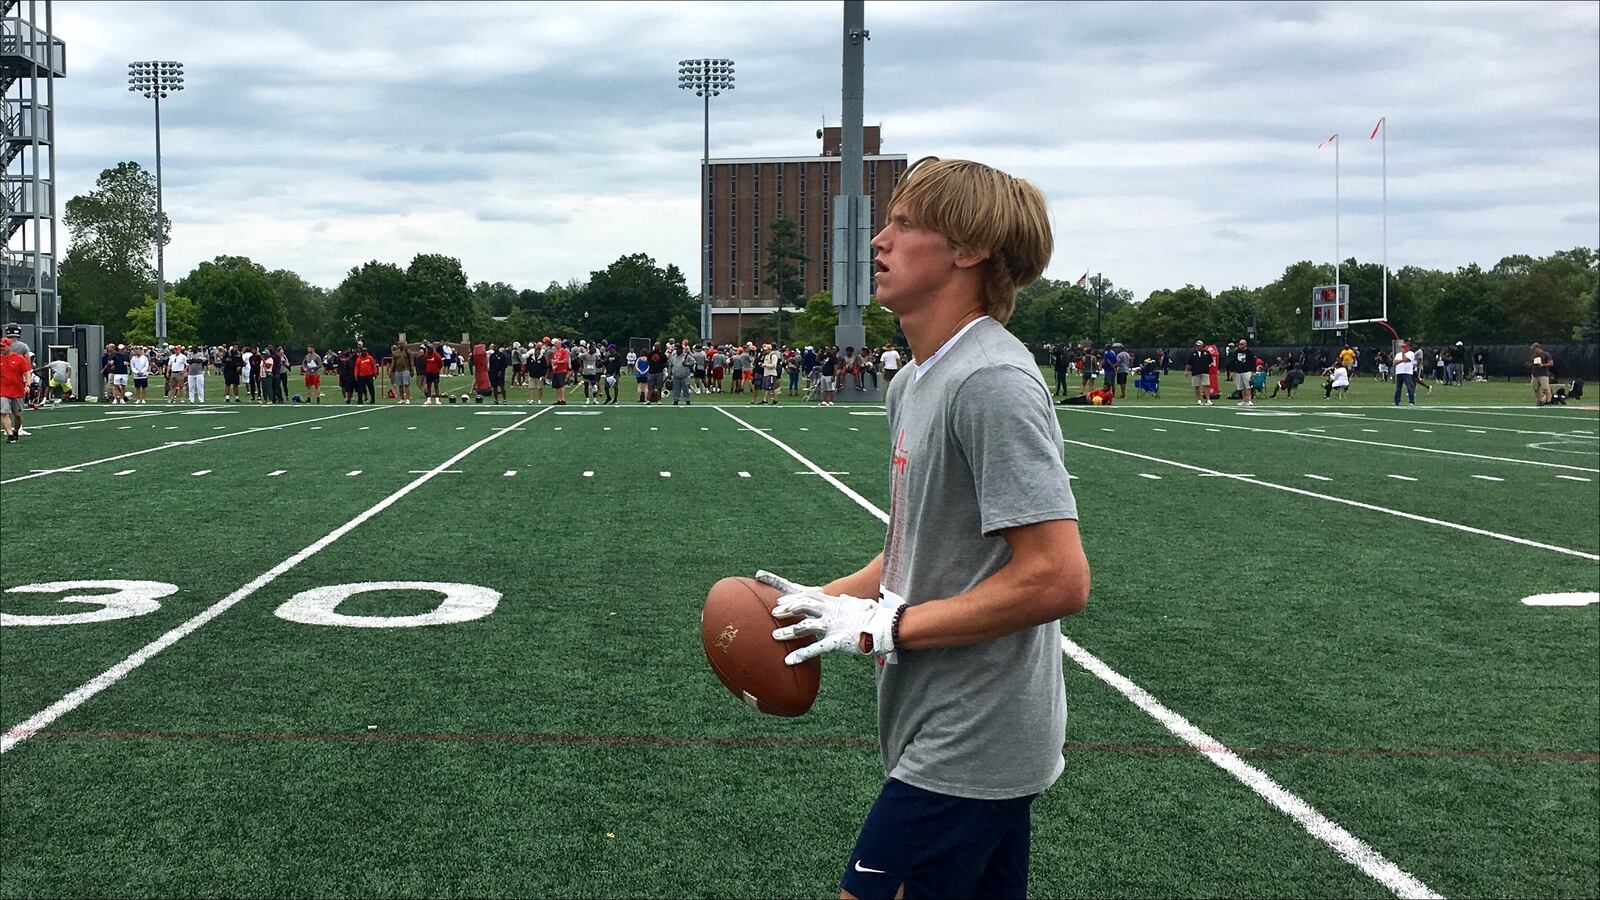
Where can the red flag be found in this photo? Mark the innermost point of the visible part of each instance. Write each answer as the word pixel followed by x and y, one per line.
pixel 1082 281
pixel 1376 127
pixel 1327 142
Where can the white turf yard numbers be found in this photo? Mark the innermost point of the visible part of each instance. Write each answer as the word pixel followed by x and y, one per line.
pixel 126 600
pixel 315 606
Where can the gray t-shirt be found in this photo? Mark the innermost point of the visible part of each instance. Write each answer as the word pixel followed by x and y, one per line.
pixel 679 363
pixel 591 363
pixel 197 365
pixel 60 371
pixel 976 448
pixel 741 362
pixel 1124 362
pixel 313 364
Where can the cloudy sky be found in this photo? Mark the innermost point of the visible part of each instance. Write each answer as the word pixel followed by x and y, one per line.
pixel 1176 142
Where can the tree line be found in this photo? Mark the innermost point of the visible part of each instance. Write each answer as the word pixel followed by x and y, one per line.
pixel 107 278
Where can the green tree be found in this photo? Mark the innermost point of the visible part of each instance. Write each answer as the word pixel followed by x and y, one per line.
pixel 113 229
pixel 881 325
pixel 1167 318
pixel 814 326
pixel 632 297
pixel 372 304
pixel 307 306
pixel 1467 309
pixel 678 328
pixel 183 321
pixel 438 300
pixel 785 259
pixel 498 299
pixel 236 302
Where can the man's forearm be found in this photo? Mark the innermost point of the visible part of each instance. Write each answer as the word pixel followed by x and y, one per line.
pixel 863 583
pixel 1010 600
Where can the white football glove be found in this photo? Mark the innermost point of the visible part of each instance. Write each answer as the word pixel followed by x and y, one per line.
pixel 840 623
pixel 782 583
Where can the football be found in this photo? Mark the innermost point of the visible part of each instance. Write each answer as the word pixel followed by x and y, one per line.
pixel 736 629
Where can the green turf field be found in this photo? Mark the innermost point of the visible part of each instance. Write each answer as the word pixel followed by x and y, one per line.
pixel 1305 668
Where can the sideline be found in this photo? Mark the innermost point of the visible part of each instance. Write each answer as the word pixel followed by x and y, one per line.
pixel 1332 499
pixel 40 720
pixel 1343 440
pixel 1349 847
pixel 171 444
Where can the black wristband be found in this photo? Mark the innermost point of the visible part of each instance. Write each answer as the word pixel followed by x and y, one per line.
pixel 894 627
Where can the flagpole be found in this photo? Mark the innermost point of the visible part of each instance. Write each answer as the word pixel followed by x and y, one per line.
pixel 1385 123
pixel 1336 216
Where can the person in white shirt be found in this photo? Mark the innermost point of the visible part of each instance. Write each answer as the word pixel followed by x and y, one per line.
pixel 1405 363
pixel 890 360
pixel 1338 381
pixel 177 373
pixel 139 367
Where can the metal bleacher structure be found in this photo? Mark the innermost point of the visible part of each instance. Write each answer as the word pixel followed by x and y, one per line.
pixel 31 58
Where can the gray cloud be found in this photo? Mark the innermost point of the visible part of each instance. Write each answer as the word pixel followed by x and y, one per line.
pixel 537 142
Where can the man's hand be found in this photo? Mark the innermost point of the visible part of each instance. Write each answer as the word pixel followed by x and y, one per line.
pixel 843 623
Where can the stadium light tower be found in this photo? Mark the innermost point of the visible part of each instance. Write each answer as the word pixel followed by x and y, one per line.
pixel 156 79
pixel 707 78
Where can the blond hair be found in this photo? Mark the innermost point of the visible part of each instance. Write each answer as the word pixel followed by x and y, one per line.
pixel 982 211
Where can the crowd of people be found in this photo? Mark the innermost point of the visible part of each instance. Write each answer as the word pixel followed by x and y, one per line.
pixel 679 369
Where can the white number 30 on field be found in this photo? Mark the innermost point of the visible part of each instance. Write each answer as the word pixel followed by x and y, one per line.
pixel 314 606
pixel 125 600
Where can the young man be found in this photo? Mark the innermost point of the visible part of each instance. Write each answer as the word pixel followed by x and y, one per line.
pixel 14 372
pixel 432 364
pixel 231 363
pixel 1124 368
pixel 1199 369
pixel 589 359
pixel 366 375
pixel 60 380
pixel 656 368
pixel 891 365
pixel 982 558
pixel 612 363
pixel 538 368
pixel 311 374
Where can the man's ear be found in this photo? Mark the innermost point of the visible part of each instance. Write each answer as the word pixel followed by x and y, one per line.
pixel 969 260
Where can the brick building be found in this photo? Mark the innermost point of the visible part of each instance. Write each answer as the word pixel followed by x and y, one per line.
pixel 746 195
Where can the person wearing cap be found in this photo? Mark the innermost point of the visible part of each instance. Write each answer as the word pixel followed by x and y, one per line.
pixel 14 372
pixel 1199 369
pixel 1543 367
pixel 139 368
pixel 1405 367
pixel 1242 366
pixel 176 373
pixel 560 370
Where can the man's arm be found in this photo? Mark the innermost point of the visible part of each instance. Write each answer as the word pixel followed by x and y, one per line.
pixel 862 583
pixel 1046 579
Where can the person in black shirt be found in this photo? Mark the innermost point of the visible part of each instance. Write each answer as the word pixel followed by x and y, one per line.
pixel 612 362
pixel 1199 368
pixel 498 360
pixel 1061 361
pixel 1242 366
pixel 658 371
pixel 231 364
pixel 830 369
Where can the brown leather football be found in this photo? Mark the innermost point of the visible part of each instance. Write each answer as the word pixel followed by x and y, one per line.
pixel 736 628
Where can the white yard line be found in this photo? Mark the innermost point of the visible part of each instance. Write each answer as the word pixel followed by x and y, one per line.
pixel 1349 847
pixel 104 418
pixel 1215 426
pixel 1576 415
pixel 214 437
pixel 41 720
pixel 1438 424
pixel 1356 503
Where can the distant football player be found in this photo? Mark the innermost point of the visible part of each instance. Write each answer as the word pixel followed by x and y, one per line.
pixel 982 558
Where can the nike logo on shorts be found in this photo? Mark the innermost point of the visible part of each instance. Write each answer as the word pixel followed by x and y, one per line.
pixel 861 868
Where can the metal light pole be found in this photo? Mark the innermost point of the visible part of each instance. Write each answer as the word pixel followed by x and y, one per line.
pixel 707 78
pixel 156 79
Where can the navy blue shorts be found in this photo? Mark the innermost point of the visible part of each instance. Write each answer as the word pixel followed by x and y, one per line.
pixel 940 846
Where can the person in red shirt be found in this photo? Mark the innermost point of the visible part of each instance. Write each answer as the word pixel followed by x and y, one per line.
pixel 14 372
pixel 366 373
pixel 560 368
pixel 432 363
